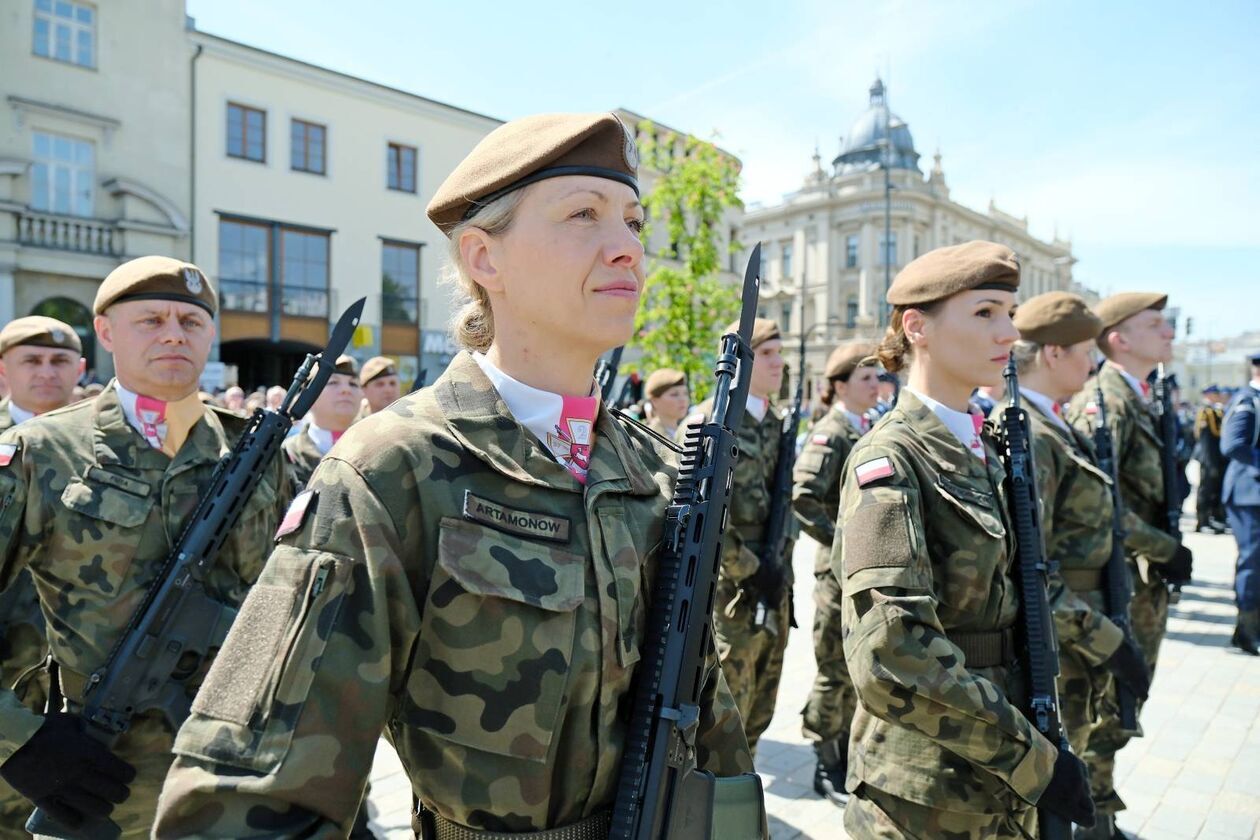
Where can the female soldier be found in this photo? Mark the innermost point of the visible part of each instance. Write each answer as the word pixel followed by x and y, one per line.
pixel 939 746
pixel 850 389
pixel 667 396
pixel 467 567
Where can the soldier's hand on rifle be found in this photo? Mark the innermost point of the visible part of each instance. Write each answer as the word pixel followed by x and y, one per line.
pixel 1178 569
pixel 1068 792
pixel 67 773
pixel 1129 667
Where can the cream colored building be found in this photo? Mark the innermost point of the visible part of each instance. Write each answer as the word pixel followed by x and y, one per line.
pixel 94 150
pixel 823 248
pixel 310 189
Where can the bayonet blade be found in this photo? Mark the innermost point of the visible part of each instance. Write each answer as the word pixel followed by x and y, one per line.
pixel 337 341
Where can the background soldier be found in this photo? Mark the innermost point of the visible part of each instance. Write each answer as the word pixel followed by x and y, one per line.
pixel 1208 507
pixel 851 389
pixel 752 653
pixel 41 360
pixel 1240 442
pixel 94 495
pixel 666 391
pixel 379 380
pixel 1053 358
pixel 469 565
pixel 333 411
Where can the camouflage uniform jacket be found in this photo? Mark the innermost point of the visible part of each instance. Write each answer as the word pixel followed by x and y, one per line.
pixel 1135 438
pixel 450 582
pixel 91 510
pixel 924 555
pixel 816 478
pixel 21 625
pixel 1076 513
pixel 301 456
pixel 750 501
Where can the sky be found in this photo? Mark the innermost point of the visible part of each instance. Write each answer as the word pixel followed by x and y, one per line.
pixel 1131 127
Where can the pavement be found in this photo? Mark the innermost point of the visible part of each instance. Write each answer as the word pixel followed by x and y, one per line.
pixel 1194 774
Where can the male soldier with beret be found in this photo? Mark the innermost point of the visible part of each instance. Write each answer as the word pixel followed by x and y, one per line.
pixel 1053 358
pixel 752 653
pixel 1135 338
pixel 380 384
pixel 333 411
pixel 41 359
pixel 666 391
pixel 850 390
pixel 92 497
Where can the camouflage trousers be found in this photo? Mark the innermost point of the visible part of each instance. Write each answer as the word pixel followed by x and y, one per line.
pixel 22 646
pixel 872 813
pixel 832 701
pixel 752 657
pixel 1091 716
pixel 1148 612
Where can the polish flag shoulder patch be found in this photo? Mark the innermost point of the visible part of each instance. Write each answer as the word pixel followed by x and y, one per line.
pixel 873 470
pixel 820 440
pixel 295 516
pixel 7 451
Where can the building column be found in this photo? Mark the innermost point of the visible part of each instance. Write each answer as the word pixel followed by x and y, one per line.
pixel 8 295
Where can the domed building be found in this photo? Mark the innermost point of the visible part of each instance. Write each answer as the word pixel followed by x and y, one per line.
pixel 824 247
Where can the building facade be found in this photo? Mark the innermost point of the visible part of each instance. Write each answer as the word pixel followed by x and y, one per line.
pixel 827 261
pixel 94 151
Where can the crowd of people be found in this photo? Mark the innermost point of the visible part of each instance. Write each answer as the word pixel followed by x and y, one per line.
pixel 466 569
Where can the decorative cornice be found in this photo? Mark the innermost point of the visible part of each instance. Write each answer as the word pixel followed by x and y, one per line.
pixel 125 186
pixel 22 106
pixel 13 166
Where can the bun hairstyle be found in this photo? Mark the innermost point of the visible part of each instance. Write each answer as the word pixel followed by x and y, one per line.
pixel 894 349
pixel 472 325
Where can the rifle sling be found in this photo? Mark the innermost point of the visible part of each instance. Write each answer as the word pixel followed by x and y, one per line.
pixel 986 648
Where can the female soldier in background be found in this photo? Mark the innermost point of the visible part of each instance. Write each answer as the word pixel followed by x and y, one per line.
pixel 467 568
pixel 939 746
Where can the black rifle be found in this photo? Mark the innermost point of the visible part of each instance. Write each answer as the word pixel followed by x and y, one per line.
pixel 660 791
pixel 771 575
pixel 179 620
pixel 606 372
pixel 1168 466
pixel 1118 586
pixel 1038 643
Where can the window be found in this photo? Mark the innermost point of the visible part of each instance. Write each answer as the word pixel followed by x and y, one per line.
pixel 763 267
pixel 851 312
pixel 400 283
pixel 65 31
pixel 246 133
pixel 917 247
pixel 888 250
pixel 63 175
pixel 787 260
pixel 308 144
pixel 851 252
pixel 244 266
pixel 401 168
pixel 787 317
pixel 304 273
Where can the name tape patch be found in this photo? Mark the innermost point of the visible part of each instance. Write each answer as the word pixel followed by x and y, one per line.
pixel 873 471
pixel 7 451
pixel 295 516
pixel 521 522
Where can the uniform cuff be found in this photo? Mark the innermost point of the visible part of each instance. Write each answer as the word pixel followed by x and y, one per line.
pixel 1031 776
pixel 17 725
pixel 1097 646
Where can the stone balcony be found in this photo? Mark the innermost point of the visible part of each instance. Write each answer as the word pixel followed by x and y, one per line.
pixel 69 233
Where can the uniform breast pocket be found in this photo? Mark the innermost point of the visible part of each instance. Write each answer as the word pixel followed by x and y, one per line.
pixel 104 526
pixel 496 641
pixel 971 538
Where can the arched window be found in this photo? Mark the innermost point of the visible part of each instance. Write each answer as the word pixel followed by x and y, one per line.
pixel 76 315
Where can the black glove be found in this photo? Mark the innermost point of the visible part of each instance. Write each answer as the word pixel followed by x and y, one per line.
pixel 767 581
pixel 1068 792
pixel 1129 667
pixel 1177 570
pixel 68 773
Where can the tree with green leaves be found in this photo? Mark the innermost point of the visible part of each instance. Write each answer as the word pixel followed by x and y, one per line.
pixel 686 304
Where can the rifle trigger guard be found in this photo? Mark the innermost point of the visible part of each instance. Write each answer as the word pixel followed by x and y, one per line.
pixel 682 735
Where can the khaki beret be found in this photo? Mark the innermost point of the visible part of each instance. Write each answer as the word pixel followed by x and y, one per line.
pixel 945 272
pixel 1059 318
pixel 1117 309
pixel 347 365
pixel 662 380
pixel 375 367
pixel 531 149
pixel 39 331
pixel 156 278
pixel 847 358
pixel 763 330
